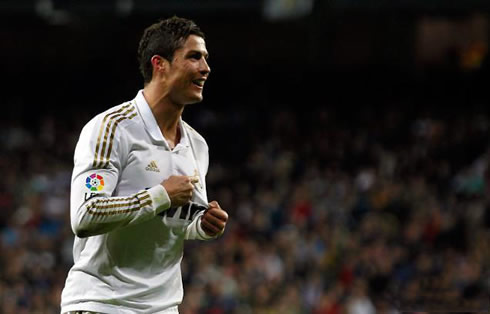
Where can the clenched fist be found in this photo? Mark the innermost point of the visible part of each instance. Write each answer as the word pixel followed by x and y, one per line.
pixel 179 189
pixel 214 219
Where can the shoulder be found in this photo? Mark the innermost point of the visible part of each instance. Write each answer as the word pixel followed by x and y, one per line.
pixel 105 134
pixel 112 119
pixel 122 114
pixel 193 134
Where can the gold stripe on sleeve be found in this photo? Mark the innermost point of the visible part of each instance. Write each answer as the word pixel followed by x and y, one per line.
pixel 109 207
pixel 111 140
pixel 112 119
pixel 113 205
pixel 147 199
pixel 102 128
pixel 114 212
pixel 117 199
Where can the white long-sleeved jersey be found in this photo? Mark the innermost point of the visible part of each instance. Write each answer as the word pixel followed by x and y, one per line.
pixel 129 242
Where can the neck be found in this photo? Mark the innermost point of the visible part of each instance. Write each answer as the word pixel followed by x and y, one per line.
pixel 166 112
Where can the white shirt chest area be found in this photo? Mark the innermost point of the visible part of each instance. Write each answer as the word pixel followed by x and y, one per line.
pixel 148 164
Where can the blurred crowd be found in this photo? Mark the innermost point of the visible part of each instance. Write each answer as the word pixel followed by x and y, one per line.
pixel 378 210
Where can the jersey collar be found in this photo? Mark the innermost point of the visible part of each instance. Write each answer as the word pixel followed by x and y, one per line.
pixel 151 123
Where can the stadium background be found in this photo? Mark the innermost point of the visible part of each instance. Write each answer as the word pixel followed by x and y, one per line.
pixel 348 141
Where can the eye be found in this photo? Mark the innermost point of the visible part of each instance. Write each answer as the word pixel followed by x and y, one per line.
pixel 196 56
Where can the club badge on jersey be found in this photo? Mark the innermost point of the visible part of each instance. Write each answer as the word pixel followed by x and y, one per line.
pixel 95 183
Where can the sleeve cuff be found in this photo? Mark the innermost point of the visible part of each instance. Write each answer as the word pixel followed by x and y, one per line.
pixel 160 198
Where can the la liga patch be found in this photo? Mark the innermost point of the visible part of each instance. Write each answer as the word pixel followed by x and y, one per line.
pixel 94 182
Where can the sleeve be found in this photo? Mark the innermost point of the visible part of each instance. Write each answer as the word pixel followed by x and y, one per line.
pixel 99 157
pixel 194 230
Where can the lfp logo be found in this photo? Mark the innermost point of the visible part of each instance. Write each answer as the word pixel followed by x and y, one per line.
pixel 94 182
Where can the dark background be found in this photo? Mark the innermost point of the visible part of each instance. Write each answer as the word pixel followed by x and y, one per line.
pixel 352 57
pixel 342 52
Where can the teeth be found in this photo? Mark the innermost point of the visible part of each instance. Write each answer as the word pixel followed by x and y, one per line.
pixel 199 82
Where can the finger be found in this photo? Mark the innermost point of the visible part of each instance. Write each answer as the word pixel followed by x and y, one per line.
pixel 194 179
pixel 215 221
pixel 187 186
pixel 209 228
pixel 218 213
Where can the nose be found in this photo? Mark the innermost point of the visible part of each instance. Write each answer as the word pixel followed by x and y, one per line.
pixel 205 69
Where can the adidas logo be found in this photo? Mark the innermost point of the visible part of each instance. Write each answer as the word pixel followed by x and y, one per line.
pixel 152 166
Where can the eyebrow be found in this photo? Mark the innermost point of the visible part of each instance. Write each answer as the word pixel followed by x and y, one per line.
pixel 204 53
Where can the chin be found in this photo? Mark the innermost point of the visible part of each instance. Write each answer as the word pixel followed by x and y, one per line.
pixel 195 100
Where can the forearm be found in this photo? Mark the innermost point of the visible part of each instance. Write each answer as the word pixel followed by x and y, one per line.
pixel 104 214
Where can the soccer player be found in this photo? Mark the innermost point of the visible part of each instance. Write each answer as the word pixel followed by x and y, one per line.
pixel 138 188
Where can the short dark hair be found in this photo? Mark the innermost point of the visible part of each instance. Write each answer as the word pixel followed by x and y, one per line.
pixel 163 38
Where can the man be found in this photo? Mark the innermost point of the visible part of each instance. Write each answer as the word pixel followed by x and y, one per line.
pixel 138 188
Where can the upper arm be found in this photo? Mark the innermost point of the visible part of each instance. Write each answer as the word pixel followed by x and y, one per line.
pixel 100 155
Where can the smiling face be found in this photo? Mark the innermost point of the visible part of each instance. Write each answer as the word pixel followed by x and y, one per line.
pixel 188 71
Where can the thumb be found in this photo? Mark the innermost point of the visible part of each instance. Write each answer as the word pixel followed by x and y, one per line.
pixel 213 204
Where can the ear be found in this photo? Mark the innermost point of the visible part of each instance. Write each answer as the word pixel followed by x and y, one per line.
pixel 158 63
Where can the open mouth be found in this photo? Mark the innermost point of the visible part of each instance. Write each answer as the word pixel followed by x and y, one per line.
pixel 199 82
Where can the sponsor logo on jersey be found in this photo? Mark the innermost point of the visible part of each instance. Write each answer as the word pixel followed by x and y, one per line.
pixel 94 182
pixel 152 166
